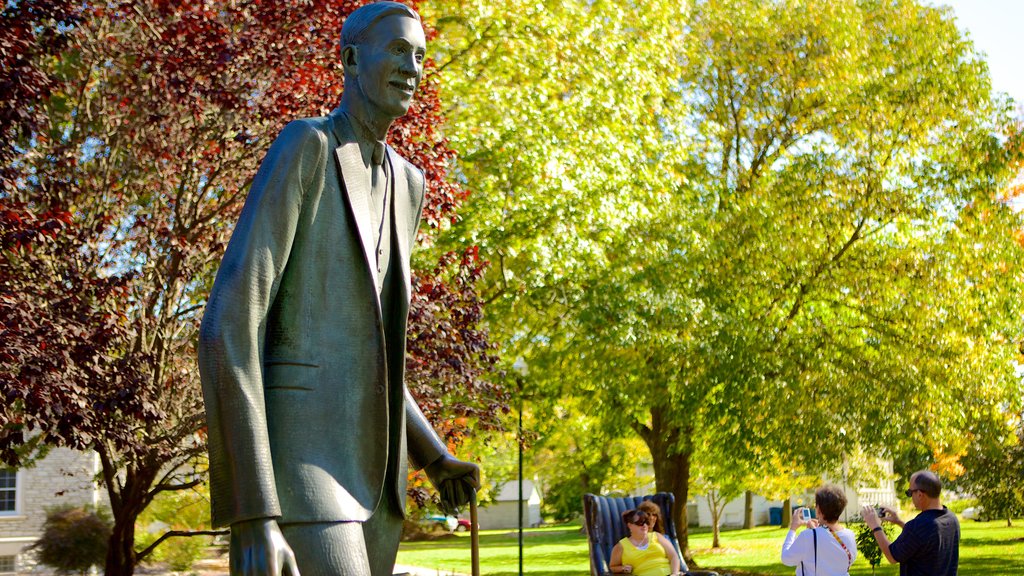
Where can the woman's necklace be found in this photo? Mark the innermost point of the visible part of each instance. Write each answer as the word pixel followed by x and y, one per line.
pixel 641 546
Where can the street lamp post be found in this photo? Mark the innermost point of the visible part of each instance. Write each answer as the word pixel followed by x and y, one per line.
pixel 522 369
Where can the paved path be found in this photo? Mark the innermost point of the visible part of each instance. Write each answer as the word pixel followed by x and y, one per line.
pixel 218 567
pixel 416 571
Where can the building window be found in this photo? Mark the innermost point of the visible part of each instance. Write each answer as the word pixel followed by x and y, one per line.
pixel 7 564
pixel 8 492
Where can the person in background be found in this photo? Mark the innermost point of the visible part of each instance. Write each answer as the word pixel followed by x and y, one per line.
pixel 827 549
pixel 930 543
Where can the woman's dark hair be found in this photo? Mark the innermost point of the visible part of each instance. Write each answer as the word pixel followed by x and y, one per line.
pixel 634 517
pixel 654 510
pixel 831 501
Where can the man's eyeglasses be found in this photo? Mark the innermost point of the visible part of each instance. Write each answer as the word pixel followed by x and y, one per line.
pixel 910 492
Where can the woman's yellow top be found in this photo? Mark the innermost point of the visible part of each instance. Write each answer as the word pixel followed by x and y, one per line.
pixel 651 561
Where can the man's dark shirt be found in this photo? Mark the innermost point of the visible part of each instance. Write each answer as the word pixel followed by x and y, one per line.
pixel 929 545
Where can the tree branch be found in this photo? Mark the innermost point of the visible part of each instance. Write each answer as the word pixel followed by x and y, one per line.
pixel 172 533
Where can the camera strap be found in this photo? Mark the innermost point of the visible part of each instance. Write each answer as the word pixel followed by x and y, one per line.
pixel 849 557
pixel 814 533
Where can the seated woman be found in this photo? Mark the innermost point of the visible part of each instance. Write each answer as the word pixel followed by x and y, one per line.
pixel 827 549
pixel 653 515
pixel 643 552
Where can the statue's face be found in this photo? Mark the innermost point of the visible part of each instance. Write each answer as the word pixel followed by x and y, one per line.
pixel 389 64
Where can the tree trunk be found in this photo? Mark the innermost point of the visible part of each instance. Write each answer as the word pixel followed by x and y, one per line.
pixel 748 511
pixel 671 471
pixel 716 519
pixel 787 512
pixel 128 498
pixel 121 548
pixel 672 474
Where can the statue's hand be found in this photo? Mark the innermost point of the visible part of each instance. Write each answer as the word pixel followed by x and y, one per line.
pixel 259 549
pixel 455 481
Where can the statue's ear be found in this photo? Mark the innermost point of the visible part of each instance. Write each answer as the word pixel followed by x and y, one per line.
pixel 349 55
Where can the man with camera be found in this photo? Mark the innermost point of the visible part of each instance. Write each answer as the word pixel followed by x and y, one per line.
pixel 930 543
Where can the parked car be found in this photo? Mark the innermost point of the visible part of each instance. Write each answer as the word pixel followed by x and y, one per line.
pixel 448 523
pixel 976 513
pixel 463 526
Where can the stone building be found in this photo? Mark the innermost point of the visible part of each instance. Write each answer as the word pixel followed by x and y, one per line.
pixel 63 477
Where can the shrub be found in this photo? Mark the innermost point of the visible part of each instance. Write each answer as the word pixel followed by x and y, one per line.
pixel 74 539
pixel 959 505
pixel 867 546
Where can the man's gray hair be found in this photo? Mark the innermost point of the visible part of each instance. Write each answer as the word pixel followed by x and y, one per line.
pixel 361 20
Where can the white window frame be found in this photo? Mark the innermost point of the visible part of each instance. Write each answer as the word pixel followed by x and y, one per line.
pixel 14 565
pixel 17 497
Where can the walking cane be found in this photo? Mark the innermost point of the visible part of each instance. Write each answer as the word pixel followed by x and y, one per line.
pixel 474 537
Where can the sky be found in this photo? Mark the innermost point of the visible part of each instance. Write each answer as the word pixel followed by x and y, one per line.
pixel 997 29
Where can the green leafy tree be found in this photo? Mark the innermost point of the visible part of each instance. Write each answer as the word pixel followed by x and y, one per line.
pixel 719 482
pixel 994 466
pixel 556 112
pixel 578 453
pixel 806 217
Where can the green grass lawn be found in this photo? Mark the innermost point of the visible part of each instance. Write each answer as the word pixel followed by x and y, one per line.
pixel 985 548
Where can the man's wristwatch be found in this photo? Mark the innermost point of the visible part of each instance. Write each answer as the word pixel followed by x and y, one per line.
pixel 876 529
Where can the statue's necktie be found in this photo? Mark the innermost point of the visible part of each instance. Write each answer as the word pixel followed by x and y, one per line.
pixel 378 194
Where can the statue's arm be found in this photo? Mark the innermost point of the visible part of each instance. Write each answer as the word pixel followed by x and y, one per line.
pixel 425 446
pixel 454 479
pixel 232 333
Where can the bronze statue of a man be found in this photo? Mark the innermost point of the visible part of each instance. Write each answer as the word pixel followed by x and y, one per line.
pixel 302 347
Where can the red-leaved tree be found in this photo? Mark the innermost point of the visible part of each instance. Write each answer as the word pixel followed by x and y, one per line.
pixel 132 131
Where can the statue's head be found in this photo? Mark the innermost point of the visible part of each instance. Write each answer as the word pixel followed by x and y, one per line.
pixel 382 51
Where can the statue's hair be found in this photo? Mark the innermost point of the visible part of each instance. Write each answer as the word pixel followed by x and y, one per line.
pixel 927 482
pixel 361 20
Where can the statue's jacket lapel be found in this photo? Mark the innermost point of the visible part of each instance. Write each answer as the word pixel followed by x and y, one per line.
pixel 356 191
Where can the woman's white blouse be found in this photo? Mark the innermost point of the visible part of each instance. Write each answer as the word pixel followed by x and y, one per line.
pixel 832 559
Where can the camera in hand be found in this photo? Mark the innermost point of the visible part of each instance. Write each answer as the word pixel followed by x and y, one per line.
pixel 880 511
pixel 805 513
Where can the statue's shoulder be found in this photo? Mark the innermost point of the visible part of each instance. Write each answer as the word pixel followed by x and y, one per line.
pixel 302 144
pixel 304 130
pixel 412 172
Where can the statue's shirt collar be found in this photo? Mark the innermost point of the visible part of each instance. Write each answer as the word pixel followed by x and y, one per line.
pixel 371 148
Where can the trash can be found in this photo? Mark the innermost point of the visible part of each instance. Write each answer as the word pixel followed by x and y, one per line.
pixel 775 516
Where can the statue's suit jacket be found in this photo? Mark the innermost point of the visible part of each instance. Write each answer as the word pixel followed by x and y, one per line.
pixel 302 373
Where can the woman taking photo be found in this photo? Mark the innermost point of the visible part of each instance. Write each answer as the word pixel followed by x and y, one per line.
pixel 644 552
pixel 827 549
